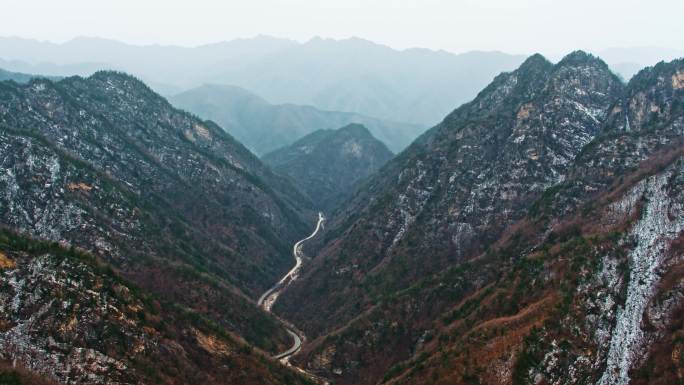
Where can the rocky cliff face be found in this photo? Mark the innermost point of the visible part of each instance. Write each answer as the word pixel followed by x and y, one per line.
pixel 627 310
pixel 591 297
pixel 328 164
pixel 560 255
pixel 183 210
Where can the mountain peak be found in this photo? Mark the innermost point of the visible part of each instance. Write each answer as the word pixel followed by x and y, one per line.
pixel 536 58
pixel 328 163
pixel 672 69
pixel 120 80
pixel 355 129
pixel 111 75
pixel 535 61
pixel 535 67
pixel 580 57
pixel 350 42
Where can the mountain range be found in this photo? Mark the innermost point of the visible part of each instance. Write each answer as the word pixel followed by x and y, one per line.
pixel 535 235
pixel 353 75
pixel 415 86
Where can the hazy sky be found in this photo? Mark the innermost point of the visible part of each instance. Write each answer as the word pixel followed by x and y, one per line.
pixel 517 26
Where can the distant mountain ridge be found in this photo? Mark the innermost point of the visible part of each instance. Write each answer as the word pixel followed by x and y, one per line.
pixel 327 164
pixel 264 127
pixel 21 77
pixel 354 75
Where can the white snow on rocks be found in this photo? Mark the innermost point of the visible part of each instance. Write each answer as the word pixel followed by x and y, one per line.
pixel 660 223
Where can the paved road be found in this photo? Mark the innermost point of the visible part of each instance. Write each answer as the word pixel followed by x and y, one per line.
pixel 267 299
pixel 292 350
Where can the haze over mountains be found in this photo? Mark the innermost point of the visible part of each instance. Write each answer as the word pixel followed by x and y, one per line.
pixel 264 127
pixel 414 87
pixel 351 75
pixel 327 67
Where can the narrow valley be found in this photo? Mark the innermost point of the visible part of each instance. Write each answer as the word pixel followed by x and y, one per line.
pixel 269 297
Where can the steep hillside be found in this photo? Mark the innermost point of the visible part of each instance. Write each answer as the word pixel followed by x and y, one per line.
pixel 66 318
pixel 264 127
pixel 589 286
pixel 447 198
pixel 327 164
pixel 457 187
pixel 584 288
pixel 181 208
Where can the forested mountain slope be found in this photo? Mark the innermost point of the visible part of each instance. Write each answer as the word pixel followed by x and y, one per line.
pixel 327 164
pixel 177 205
pixel 559 264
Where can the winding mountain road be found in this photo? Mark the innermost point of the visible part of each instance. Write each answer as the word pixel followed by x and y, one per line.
pixel 267 299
